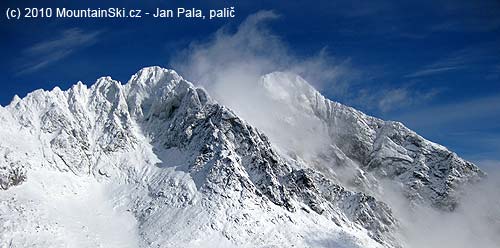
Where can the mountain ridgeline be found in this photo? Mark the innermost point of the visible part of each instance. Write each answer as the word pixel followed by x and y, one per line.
pixel 180 169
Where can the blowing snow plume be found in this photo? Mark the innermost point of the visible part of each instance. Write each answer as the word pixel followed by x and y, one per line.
pixel 231 67
pixel 257 75
pixel 243 56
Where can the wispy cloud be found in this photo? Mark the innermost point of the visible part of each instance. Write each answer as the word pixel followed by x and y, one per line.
pixel 455 61
pixel 459 60
pixel 236 60
pixel 55 49
pixel 254 50
pixel 388 99
pixel 403 97
pixel 468 16
pixel 474 26
pixel 472 110
pixel 431 71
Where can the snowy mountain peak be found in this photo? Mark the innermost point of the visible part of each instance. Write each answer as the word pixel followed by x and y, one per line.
pixel 287 86
pixel 149 77
pixel 330 136
pixel 15 100
pixel 178 169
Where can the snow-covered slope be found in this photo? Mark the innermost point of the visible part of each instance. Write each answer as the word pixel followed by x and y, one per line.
pixel 157 163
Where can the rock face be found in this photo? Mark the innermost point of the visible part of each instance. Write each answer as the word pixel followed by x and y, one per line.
pixel 178 169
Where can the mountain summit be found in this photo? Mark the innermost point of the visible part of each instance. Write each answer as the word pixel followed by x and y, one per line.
pixel 157 162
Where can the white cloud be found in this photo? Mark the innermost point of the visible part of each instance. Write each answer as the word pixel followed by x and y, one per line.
pixel 431 71
pixel 462 59
pixel 52 50
pixel 475 223
pixel 256 51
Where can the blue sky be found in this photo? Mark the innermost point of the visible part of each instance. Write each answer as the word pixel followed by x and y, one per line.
pixel 434 65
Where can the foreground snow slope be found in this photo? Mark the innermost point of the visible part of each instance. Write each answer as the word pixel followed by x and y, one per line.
pixel 157 163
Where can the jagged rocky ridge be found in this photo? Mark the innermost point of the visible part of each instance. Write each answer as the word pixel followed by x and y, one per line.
pixel 182 159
